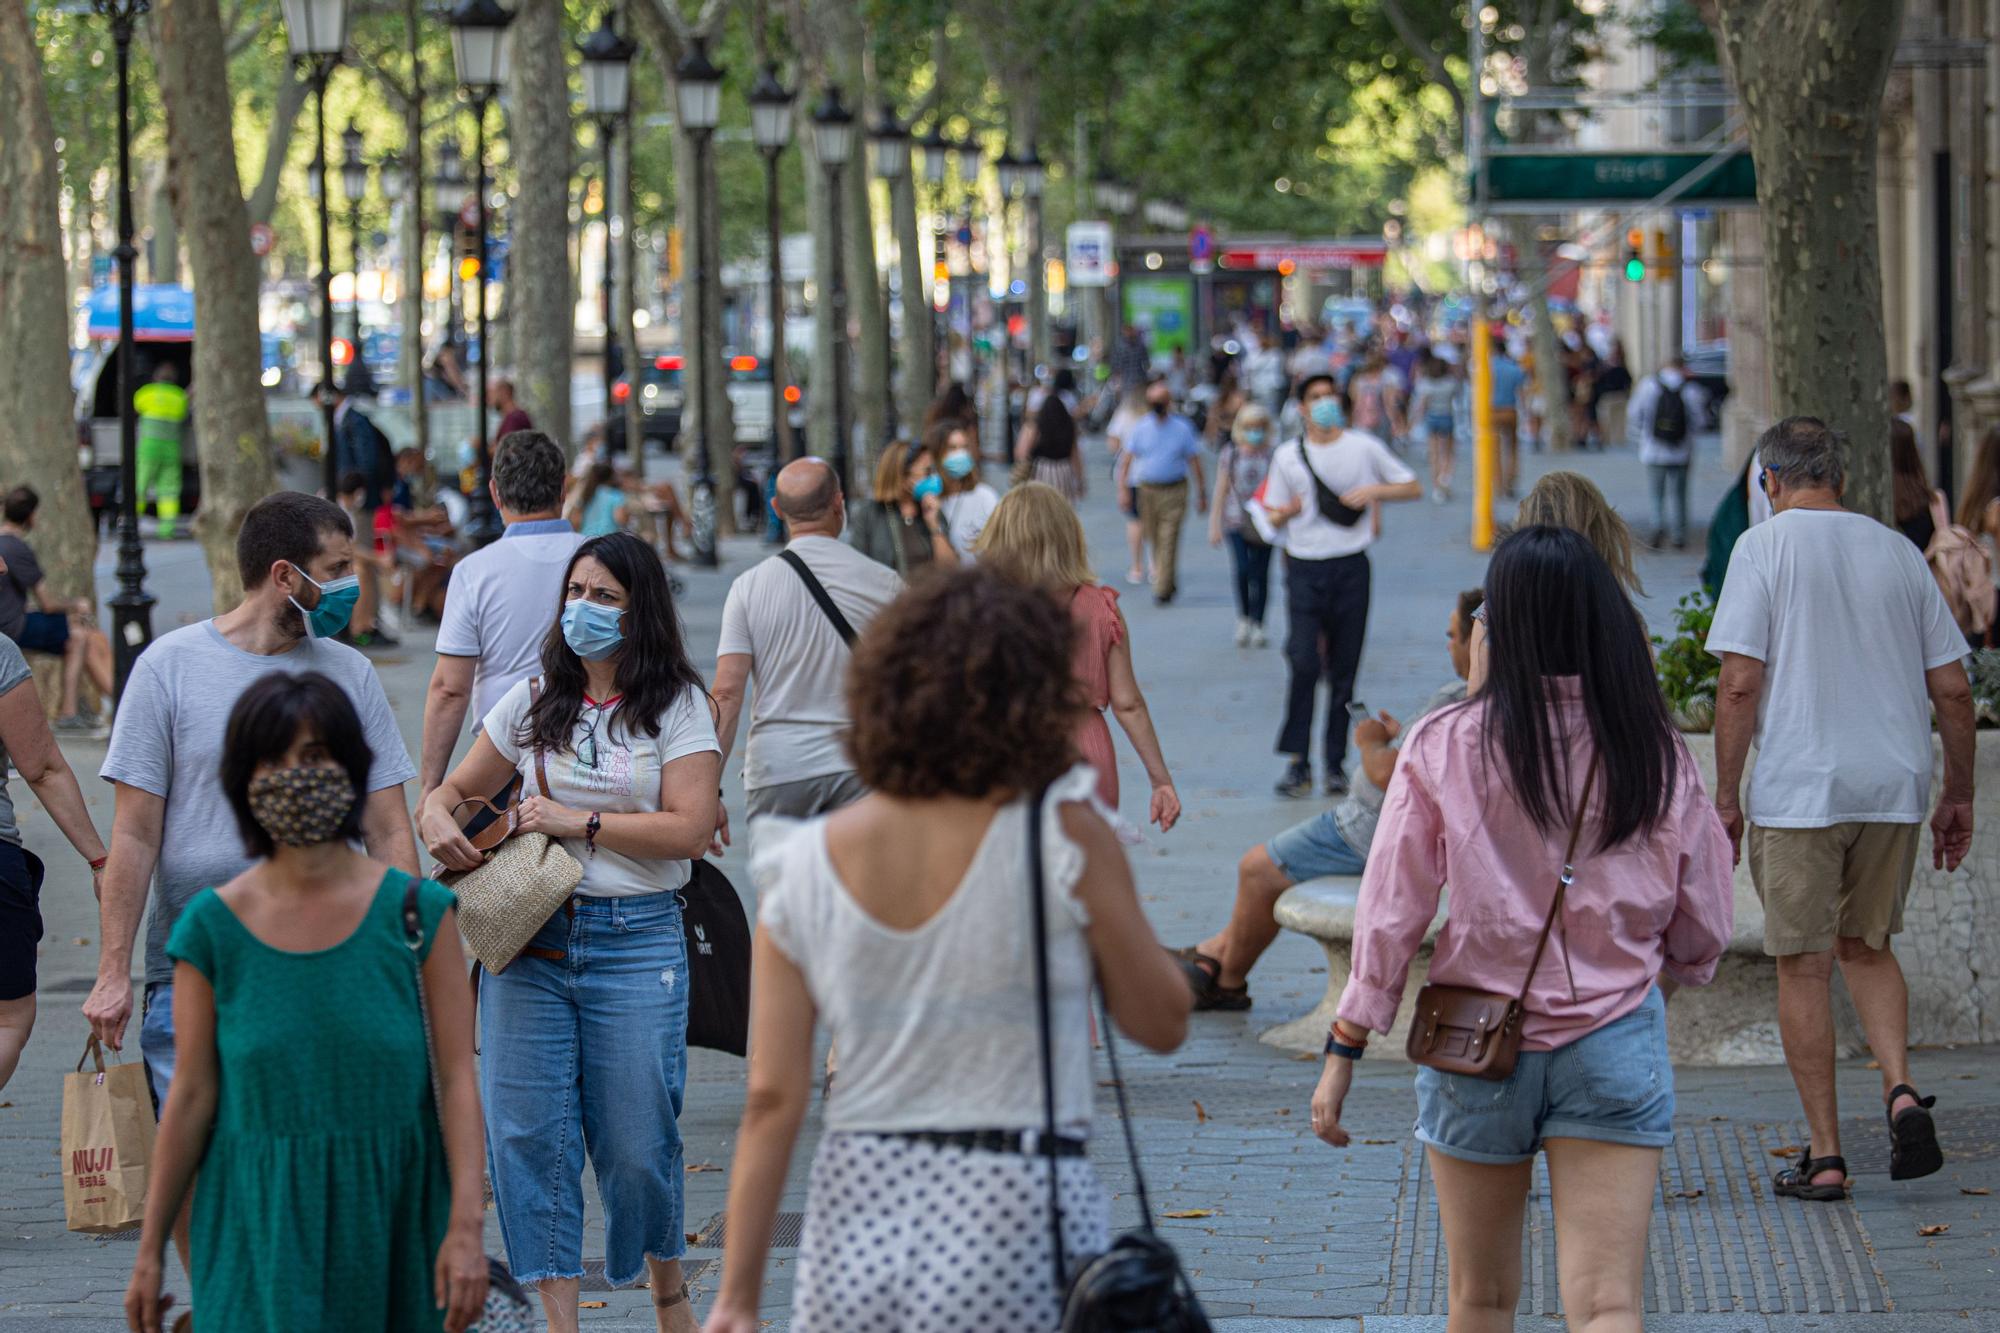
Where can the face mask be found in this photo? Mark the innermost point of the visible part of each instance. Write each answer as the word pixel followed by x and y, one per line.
pixel 926 488
pixel 591 629
pixel 1254 436
pixel 336 604
pixel 302 807
pixel 1159 408
pixel 1327 413
pixel 958 463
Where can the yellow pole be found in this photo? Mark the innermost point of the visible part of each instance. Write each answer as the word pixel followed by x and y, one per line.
pixel 1485 449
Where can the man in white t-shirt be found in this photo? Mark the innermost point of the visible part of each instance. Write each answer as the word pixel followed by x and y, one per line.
pixel 1320 494
pixel 1836 646
pixel 503 599
pixel 775 632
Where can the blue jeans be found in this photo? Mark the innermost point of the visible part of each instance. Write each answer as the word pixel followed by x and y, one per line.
pixel 1252 563
pixel 588 1054
pixel 156 1039
pixel 1313 848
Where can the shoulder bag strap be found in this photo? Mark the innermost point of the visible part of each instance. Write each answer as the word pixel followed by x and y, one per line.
pixel 819 595
pixel 1562 885
pixel 541 765
pixel 1045 1026
pixel 413 936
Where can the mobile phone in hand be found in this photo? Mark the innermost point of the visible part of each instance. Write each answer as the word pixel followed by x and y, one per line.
pixel 1359 711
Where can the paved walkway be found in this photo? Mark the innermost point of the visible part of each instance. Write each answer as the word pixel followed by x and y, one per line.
pixel 1289 1233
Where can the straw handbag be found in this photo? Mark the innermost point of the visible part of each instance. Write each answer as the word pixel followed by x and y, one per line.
pixel 524 880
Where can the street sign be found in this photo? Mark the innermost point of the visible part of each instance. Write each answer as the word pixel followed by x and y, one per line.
pixel 1572 179
pixel 1201 245
pixel 1089 254
pixel 1313 256
pixel 261 238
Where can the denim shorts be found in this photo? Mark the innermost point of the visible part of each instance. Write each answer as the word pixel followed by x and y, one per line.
pixel 1615 1086
pixel 1313 848
pixel 20 919
pixel 156 1039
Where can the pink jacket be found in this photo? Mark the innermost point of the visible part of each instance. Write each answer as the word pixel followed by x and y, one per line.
pixel 1661 901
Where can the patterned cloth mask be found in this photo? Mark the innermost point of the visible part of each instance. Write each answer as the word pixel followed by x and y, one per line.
pixel 302 807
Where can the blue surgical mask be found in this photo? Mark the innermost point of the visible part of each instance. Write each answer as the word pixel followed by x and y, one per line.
pixel 958 463
pixel 591 629
pixel 329 616
pixel 926 488
pixel 1253 436
pixel 1327 413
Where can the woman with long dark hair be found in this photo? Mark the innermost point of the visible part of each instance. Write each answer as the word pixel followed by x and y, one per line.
pixel 585 1035
pixel 1570 731
pixel 1048 445
pixel 1917 506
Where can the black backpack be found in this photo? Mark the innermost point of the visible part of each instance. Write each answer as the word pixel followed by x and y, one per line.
pixel 1670 417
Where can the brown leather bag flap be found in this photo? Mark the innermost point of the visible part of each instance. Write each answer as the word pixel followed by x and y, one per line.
pixel 502 827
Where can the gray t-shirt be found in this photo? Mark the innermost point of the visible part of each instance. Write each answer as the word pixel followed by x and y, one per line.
pixel 168 741
pixel 1361 809
pixel 13 670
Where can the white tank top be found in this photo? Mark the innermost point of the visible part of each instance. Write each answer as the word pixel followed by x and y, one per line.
pixel 936 1026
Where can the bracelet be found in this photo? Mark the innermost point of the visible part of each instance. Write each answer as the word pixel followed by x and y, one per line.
pixel 590 828
pixel 1335 1046
pixel 1347 1036
pixel 100 862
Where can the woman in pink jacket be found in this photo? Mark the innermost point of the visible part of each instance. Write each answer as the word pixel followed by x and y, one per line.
pixel 1484 798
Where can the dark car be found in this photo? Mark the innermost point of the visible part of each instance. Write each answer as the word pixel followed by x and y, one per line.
pixel 660 399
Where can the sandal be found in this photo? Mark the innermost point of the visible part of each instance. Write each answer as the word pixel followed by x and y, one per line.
pixel 1796 1182
pixel 1204 979
pixel 1913 1145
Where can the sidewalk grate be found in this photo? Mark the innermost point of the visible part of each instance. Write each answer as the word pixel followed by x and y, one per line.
pixel 1733 1247
pixel 786 1229
pixel 594 1280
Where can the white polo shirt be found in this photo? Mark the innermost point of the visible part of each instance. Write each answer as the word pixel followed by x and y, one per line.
pixel 1354 458
pixel 501 603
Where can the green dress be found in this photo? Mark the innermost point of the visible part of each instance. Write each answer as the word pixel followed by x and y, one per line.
pixel 323 1196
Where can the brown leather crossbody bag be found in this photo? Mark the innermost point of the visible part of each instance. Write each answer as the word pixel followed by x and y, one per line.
pixel 1459 1030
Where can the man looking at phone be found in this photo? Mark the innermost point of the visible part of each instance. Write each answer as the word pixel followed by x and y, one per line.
pixel 1319 497
pixel 1333 842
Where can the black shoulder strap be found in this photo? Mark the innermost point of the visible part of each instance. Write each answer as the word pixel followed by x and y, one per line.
pixel 1045 1027
pixel 819 595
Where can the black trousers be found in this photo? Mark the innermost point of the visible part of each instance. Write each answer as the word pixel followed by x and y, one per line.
pixel 1327 602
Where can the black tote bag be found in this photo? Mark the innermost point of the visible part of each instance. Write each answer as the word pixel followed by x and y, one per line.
pixel 718 954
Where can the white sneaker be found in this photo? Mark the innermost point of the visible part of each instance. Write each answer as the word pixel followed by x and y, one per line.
pixel 1242 632
pixel 1257 639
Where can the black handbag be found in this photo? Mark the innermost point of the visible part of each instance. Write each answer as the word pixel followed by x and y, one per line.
pixel 718 961
pixel 1137 1285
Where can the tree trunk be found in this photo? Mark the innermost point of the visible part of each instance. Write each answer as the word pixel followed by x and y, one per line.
pixel 541 309
pixel 1811 74
pixel 919 383
pixel 626 293
pixel 410 243
pixel 163 248
pixel 228 400
pixel 820 402
pixel 291 101
pixel 34 316
pixel 1026 125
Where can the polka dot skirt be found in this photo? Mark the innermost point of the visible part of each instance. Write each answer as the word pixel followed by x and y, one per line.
pixel 908 1237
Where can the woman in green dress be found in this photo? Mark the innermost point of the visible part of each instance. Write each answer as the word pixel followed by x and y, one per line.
pixel 330 1201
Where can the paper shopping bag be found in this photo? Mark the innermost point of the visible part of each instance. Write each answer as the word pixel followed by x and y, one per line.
pixel 107 1144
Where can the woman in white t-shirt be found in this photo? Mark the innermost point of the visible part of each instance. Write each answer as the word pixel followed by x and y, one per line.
pixel 968 501
pixel 906 921
pixel 585 1035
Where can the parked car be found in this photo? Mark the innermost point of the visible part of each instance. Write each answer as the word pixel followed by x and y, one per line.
pixel 661 397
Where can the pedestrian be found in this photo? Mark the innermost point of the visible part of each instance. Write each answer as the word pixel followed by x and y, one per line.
pixel 967 501
pixel 1434 403
pixel 1321 489
pixel 778 636
pixel 1131 363
pixel 1569 745
pixel 1913 504
pixel 1047 447
pixel 599 507
pixel 360 448
pixel 1979 514
pixel 29 748
pixel 1239 471
pixel 1836 648
pixel 1040 541
pixel 327 1200
pixel 497 612
pixel 38 623
pixel 1332 842
pixel 1160 456
pixel 584 1036
pixel 1373 393
pixel 1509 384
pixel 1610 392
pixel 903 922
pixel 500 398
pixel 162 408
pixel 904 528
pixel 1130 412
pixel 1666 409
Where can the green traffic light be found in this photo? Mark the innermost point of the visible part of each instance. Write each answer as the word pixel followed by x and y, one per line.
pixel 1635 270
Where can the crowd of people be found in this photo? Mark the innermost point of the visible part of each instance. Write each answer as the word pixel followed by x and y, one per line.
pixel 923 680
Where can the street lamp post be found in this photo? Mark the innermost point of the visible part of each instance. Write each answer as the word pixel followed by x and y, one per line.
pixel 833 141
pixel 698 85
pixel 131 605
pixel 448 190
pixel 889 154
pixel 771 127
pixel 482 47
pixel 316 31
pixel 607 86
pixel 1008 169
pixel 970 158
pixel 353 184
pixel 937 160
pixel 1036 298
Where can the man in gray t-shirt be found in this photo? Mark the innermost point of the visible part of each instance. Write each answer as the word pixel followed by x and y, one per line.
pixel 173 824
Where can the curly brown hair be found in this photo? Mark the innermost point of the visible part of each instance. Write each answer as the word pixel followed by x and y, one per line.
pixel 962 687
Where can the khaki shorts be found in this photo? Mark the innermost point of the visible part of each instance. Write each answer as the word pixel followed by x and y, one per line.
pixel 1816 884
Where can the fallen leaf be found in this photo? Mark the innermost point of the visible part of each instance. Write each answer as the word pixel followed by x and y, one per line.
pixel 1717 1119
pixel 1689 1194
pixel 5 1105
pixel 693 1238
pixel 82 940
pixel 1873 1064
pixel 1282 1110
pixel 1964 1189
pixel 1184 1213
pixel 1200 1115
pixel 1934 1229
pixel 590 1305
pixel 1790 1150
pixel 1377 1142
pixel 694 1167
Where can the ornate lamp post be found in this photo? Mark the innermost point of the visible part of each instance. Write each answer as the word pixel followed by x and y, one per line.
pixel 483 51
pixel 607 93
pixel 1010 171
pixel 937 161
pixel 889 155
pixel 448 189
pixel 316 31
pixel 698 84
pixel 354 184
pixel 1033 175
pixel 131 605
pixel 833 143
pixel 771 127
pixel 970 157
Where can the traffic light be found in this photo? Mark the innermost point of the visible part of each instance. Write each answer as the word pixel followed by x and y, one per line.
pixel 1635 255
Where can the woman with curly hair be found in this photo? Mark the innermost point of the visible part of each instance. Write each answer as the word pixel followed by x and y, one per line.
pixel 904 922
pixel 1037 537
